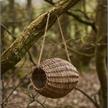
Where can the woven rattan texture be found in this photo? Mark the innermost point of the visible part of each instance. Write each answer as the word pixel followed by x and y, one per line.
pixel 58 75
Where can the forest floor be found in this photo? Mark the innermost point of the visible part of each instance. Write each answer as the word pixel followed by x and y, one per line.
pixel 88 82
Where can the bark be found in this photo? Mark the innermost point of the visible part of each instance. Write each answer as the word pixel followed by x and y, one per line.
pixel 31 34
pixel 101 48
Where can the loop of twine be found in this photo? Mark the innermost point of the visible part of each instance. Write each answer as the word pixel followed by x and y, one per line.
pixel 43 41
pixel 63 39
pixel 44 37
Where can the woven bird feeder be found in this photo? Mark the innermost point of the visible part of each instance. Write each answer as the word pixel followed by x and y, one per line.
pixel 54 78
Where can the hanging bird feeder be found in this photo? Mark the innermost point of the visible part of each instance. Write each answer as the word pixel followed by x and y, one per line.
pixel 54 78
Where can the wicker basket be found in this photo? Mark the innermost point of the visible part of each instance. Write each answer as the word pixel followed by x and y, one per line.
pixel 54 78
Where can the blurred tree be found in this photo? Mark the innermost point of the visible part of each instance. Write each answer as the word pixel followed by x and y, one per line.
pixel 29 10
pixel 101 50
pixel 12 14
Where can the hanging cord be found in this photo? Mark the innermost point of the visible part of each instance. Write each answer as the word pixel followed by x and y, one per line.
pixel 63 39
pixel 43 41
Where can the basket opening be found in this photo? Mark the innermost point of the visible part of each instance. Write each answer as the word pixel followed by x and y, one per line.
pixel 39 78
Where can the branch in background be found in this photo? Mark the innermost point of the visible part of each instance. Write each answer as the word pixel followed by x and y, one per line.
pixel 33 98
pixel 92 24
pixel 40 103
pixel 6 29
pixel 16 87
pixel 31 58
pixel 95 103
pixel 80 53
pixel 89 23
pixel 50 2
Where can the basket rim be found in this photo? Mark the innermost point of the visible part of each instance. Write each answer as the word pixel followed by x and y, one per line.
pixel 39 89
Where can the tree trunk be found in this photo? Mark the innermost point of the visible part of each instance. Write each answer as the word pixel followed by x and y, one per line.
pixel 101 41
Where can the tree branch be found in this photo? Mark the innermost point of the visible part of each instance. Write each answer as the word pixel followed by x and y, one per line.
pixel 31 34
pixel 84 93
pixel 86 22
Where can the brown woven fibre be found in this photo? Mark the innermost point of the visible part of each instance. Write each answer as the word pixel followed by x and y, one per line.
pixel 55 78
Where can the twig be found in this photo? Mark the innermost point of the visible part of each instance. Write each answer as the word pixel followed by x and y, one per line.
pixel 74 51
pixel 92 24
pixel 31 59
pixel 40 103
pixel 6 29
pixel 21 81
pixel 33 100
pixel 80 53
pixel 95 103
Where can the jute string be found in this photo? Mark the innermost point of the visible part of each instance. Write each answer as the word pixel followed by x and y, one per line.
pixel 43 41
pixel 63 39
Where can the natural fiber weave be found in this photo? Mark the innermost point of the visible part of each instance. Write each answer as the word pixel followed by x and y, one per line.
pixel 55 78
